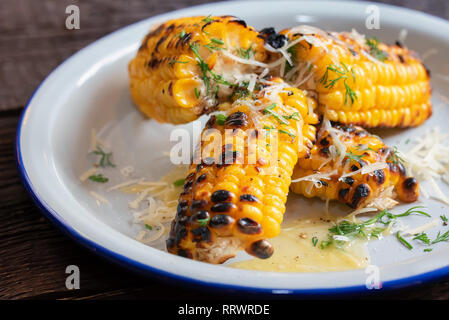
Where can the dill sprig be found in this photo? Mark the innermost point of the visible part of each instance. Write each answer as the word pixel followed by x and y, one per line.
pixel 105 160
pixel 372 228
pixel 221 119
pixel 98 178
pixel 373 44
pixel 246 53
pixel 277 116
pixel 403 241
pixel 179 183
pixel 343 73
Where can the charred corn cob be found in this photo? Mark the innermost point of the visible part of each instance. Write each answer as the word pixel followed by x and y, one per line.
pixel 358 170
pixel 234 197
pixel 359 81
pixel 186 66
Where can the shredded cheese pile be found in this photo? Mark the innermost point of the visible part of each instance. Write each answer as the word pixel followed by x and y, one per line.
pixel 428 161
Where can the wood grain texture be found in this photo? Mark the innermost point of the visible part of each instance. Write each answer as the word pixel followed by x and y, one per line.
pixel 33 253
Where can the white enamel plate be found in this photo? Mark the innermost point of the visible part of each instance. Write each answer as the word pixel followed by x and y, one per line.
pixel 90 90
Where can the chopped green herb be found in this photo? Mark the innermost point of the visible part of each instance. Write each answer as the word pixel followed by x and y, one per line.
pixel 292 52
pixel 354 157
pixel 407 141
pixel 277 116
pixel 148 227
pixel 181 34
pixel 179 183
pixel 221 119
pixel 246 53
pixel 369 228
pixel 105 160
pixel 294 116
pixel 212 47
pixel 98 178
pixel 374 50
pixel 428 250
pixel 314 241
pixel 444 218
pixel 422 237
pixel 217 41
pixel 395 157
pixel 441 237
pixel 343 73
pixel 403 241
pixel 207 19
pixel 287 133
pixel 197 93
pixel 203 222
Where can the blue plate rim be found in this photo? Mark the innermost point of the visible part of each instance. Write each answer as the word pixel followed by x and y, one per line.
pixel 176 279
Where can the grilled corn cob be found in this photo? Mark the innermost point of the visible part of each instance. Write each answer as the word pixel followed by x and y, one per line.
pixel 334 170
pixel 234 198
pixel 359 81
pixel 186 66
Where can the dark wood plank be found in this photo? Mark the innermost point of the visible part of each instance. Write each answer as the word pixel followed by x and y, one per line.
pixel 33 253
pixel 34 39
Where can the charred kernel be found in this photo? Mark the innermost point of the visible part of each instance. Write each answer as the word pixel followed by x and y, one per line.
pixel 181 233
pixel 221 195
pixel 199 167
pixel 162 39
pixel 361 191
pixel 181 210
pixel 401 168
pixel 354 167
pixel 410 183
pixel 343 193
pixel 241 22
pixel 237 119
pixel 267 31
pixel 228 158
pixel 324 142
pixel 190 176
pixel 199 215
pixel 188 184
pixel 323 183
pixel 249 226
pixel 184 253
pixel 348 180
pixel 201 178
pixel 379 176
pixel 197 204
pixel 223 207
pixel 211 122
pixel 248 198
pixel 220 221
pixel 325 152
pixel 201 234
pixel 228 147
pixel 261 249
pixel 170 243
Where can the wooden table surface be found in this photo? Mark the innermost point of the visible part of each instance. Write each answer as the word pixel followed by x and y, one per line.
pixel 33 253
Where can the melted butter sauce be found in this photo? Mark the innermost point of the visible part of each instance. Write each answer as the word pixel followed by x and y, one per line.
pixel 295 252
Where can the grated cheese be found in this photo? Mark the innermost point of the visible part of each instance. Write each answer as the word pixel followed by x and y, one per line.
pixel 98 197
pixel 422 228
pixel 428 161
